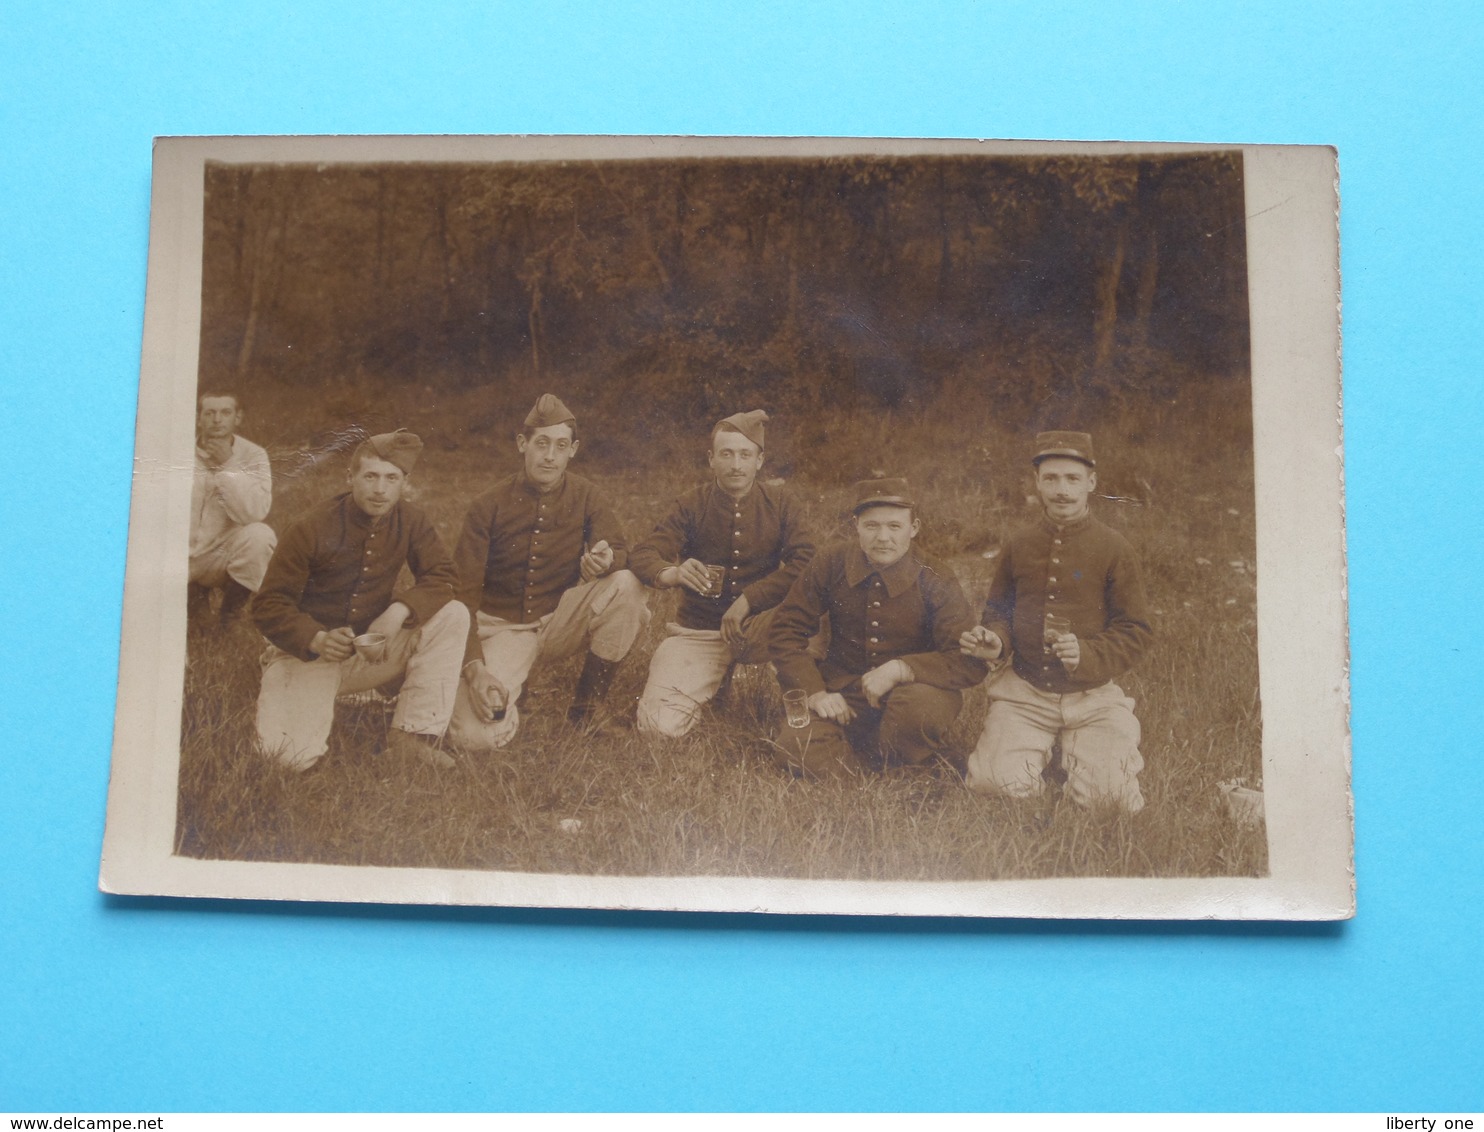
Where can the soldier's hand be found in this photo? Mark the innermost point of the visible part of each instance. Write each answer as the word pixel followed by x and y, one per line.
pixel 693 576
pixel 1068 650
pixel 391 620
pixel 218 451
pixel 731 622
pixel 831 706
pixel 334 644
pixel 597 561
pixel 489 697
pixel 981 642
pixel 881 680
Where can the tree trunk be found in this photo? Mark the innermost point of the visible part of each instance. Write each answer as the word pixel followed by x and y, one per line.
pixel 945 248
pixel 533 326
pixel 1105 312
pixel 1148 215
pixel 266 235
pixel 1148 283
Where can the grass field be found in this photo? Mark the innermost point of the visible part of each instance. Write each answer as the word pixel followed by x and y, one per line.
pixel 712 803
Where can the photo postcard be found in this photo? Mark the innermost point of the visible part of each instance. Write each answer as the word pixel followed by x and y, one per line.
pixel 817 525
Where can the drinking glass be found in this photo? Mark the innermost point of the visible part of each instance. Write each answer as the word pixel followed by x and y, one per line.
pixel 796 704
pixel 1054 627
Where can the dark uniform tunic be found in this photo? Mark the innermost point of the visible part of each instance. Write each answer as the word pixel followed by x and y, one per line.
pixel 759 539
pixel 909 611
pixel 1086 572
pixel 521 549
pixel 336 566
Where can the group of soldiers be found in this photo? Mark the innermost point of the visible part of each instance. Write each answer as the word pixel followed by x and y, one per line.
pixel 877 643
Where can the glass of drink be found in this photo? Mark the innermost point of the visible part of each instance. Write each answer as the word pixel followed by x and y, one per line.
pixel 370 647
pixel 796 706
pixel 717 576
pixel 1054 627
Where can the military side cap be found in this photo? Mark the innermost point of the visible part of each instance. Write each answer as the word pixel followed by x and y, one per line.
pixel 401 448
pixel 1072 445
pixel 881 493
pixel 549 410
pixel 749 425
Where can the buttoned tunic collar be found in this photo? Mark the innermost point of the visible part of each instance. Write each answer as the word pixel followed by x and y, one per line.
pixel 1057 529
pixel 898 577
pixel 526 483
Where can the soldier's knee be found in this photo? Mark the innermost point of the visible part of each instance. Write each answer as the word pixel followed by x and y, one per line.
pixel 258 538
pixel 657 718
pixel 920 698
pixel 920 708
pixel 625 586
pixel 817 752
pixel 791 748
pixel 453 617
pixel 278 744
pixel 997 766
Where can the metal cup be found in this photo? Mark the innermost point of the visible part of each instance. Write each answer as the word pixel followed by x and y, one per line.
pixel 717 576
pixel 796 705
pixel 371 647
pixel 1054 627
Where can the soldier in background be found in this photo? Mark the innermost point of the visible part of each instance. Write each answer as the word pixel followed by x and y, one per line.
pixel 231 492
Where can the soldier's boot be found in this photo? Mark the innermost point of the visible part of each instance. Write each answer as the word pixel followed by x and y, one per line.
pixel 411 745
pixel 198 602
pixel 235 597
pixel 1055 772
pixel 592 688
pixel 723 697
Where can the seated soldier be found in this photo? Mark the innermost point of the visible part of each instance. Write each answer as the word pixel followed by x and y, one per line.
pixel 330 581
pixel 891 684
pixel 231 492
pixel 1068 602
pixel 541 569
pixel 735 546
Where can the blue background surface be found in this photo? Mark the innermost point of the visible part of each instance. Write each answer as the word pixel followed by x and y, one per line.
pixel 116 1005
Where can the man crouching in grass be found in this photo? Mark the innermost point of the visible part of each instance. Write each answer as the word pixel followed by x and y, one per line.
pixel 541 568
pixel 1068 601
pixel 891 684
pixel 735 547
pixel 326 605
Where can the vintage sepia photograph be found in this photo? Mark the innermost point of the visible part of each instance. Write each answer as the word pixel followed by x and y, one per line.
pixel 739 524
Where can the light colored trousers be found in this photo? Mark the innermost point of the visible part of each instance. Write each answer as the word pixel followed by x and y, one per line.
pixel 607 614
pixel 242 555
pixel 1099 742
pixel 296 703
pixel 688 668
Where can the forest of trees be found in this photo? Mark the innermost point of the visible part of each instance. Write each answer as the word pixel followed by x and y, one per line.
pixel 705 284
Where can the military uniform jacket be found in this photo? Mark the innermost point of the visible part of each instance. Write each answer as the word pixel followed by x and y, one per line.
pixel 1086 572
pixel 520 550
pixel 909 611
pixel 759 540
pixel 335 567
